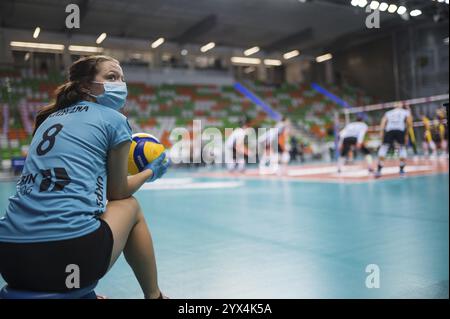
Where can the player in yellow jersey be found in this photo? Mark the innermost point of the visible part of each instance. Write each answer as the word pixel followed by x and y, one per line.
pixel 440 134
pixel 428 144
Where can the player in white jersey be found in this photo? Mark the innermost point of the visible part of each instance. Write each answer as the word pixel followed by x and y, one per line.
pixel 351 137
pixel 235 148
pixel 394 127
pixel 273 141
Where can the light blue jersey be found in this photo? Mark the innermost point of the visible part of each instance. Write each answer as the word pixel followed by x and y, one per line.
pixel 62 189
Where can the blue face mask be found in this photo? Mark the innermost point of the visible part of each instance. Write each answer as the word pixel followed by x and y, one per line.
pixel 114 96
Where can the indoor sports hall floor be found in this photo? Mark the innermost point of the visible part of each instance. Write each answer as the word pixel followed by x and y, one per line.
pixel 231 237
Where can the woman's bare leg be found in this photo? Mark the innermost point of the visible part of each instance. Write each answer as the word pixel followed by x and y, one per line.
pixel 131 235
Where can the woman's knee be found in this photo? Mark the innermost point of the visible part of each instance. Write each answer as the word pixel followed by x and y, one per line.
pixel 134 206
pixel 130 205
pixel 133 203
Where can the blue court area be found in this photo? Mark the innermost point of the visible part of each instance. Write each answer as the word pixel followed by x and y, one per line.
pixel 234 238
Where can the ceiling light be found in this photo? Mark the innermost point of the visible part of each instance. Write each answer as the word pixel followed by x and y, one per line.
pixel 251 51
pixel 36 32
pixel 401 10
pixel 362 3
pixel 32 45
pixel 392 8
pixel 207 47
pixel 241 60
pixel 157 43
pixel 82 48
pixel 383 6
pixel 374 5
pixel 100 38
pixel 290 55
pixel 415 13
pixel 323 58
pixel 272 62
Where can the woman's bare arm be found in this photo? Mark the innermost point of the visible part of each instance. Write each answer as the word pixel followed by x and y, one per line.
pixel 120 185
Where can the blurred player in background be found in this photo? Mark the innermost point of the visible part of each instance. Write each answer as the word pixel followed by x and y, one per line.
pixel 411 136
pixel 440 132
pixel 429 147
pixel 435 136
pixel 275 142
pixel 394 127
pixel 236 150
pixel 351 138
pixel 284 145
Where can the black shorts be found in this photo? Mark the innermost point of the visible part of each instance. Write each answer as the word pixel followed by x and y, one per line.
pixel 43 266
pixel 280 148
pixel 394 136
pixel 347 145
pixel 437 138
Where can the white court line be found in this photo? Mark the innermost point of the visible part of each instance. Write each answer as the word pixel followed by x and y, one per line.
pixel 313 171
pixel 173 181
pixel 191 185
pixel 355 171
pixel 391 170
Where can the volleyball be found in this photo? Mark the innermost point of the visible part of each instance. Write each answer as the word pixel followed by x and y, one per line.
pixel 144 149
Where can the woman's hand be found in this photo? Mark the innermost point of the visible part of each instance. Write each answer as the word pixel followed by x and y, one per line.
pixel 158 167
